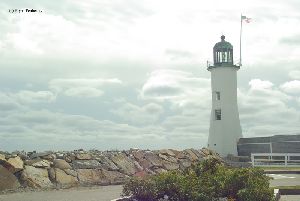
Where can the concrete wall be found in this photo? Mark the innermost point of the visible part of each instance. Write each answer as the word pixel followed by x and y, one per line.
pixel 274 144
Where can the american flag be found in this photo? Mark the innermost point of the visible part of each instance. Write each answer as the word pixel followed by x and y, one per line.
pixel 246 19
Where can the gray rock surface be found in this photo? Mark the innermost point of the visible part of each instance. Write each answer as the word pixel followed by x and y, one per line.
pixel 86 164
pixel 125 164
pixel 16 164
pixel 61 164
pixel 35 177
pixel 7 180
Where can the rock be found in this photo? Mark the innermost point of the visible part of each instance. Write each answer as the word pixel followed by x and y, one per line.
pixel 40 155
pixel 145 164
pixel 71 172
pixel 125 164
pixel 2 157
pixel 167 152
pixel 16 163
pixel 41 164
pixel 170 166
pixel 8 181
pixel 49 157
pixel 138 155
pixel 165 157
pixel 205 152
pixel 138 166
pixel 181 155
pixel 69 158
pixel 83 156
pixel 141 174
pixel 192 156
pixel 198 154
pixel 64 180
pixel 168 158
pixel 35 177
pixel 51 173
pixel 184 163
pixel 92 177
pixel 153 159
pixel 159 170
pixel 23 156
pixel 61 164
pixel 107 164
pixel 114 177
pixel 86 164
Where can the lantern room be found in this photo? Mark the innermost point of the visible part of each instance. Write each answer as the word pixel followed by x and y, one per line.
pixel 223 53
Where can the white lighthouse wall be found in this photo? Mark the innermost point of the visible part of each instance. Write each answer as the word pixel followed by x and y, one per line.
pixel 224 133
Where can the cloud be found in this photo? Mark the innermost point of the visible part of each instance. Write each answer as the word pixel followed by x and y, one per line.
pixel 291 87
pixel 172 85
pixel 294 74
pixel 265 110
pixel 7 103
pixel 292 40
pixel 148 114
pixel 81 87
pixel 26 96
pixel 257 84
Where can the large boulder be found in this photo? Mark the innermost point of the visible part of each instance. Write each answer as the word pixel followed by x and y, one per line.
pixel 191 155
pixel 107 164
pixel 61 164
pixel 125 164
pixel 167 152
pixel 2 157
pixel 114 177
pixel 35 177
pixel 86 164
pixel 168 158
pixel 153 159
pixel 138 154
pixel 62 179
pixel 83 156
pixel 37 162
pixel 44 155
pixel 71 172
pixel 16 163
pixel 184 163
pixel 7 180
pixel 41 164
pixel 170 166
pixel 92 177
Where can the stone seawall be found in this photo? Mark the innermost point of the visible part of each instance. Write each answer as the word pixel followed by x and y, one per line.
pixel 48 170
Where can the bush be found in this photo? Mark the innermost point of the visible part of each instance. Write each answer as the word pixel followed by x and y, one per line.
pixel 206 181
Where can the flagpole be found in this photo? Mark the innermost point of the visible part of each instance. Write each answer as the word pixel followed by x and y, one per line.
pixel 241 41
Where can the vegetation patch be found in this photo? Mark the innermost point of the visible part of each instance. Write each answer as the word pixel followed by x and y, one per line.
pixel 208 180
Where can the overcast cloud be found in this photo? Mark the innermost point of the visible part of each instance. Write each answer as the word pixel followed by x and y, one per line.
pixel 113 74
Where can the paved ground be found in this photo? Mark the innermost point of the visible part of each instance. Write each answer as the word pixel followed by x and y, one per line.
pixel 285 179
pixel 105 193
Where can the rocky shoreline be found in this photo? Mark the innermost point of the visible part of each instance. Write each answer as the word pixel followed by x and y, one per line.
pixel 70 169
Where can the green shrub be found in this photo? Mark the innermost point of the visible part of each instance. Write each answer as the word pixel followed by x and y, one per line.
pixel 205 181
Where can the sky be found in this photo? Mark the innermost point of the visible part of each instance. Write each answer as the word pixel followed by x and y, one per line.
pixel 116 74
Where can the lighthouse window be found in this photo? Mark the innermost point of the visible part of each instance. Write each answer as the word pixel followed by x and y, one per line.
pixel 218 114
pixel 218 95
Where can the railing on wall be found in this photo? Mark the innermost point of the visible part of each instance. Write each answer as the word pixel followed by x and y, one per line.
pixel 276 159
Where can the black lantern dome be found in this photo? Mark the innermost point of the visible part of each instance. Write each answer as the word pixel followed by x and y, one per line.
pixel 223 53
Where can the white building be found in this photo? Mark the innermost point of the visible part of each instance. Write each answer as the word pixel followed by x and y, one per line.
pixel 225 128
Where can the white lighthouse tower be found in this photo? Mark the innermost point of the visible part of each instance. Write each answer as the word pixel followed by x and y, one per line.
pixel 225 128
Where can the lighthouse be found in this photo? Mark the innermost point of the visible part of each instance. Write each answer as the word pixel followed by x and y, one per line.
pixel 225 128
